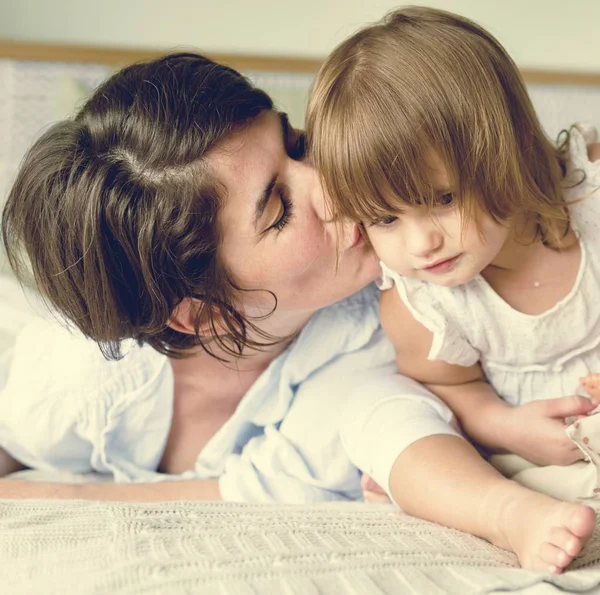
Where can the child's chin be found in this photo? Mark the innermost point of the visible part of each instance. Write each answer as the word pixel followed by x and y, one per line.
pixel 455 281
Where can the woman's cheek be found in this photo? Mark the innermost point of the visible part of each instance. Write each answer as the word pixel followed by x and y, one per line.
pixel 305 254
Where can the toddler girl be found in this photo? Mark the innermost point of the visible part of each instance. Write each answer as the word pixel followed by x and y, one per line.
pixel 489 242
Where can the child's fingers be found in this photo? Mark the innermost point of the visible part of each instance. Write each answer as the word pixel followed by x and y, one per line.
pixel 368 484
pixel 376 498
pixel 568 406
pixel 372 491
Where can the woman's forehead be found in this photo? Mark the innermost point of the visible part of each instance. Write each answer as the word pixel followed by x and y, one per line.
pixel 246 165
pixel 267 123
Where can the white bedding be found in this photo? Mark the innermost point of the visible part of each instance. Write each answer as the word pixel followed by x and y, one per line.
pixel 225 548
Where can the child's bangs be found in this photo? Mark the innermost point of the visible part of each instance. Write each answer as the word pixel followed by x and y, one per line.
pixel 372 171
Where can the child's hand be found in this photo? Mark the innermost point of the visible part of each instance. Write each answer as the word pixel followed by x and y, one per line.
pixel 372 492
pixel 536 431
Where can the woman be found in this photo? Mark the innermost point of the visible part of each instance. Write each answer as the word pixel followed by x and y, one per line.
pixel 175 224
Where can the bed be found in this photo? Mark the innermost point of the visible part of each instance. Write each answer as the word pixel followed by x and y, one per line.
pixel 221 548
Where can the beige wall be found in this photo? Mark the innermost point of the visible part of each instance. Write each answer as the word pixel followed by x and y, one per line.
pixel 538 33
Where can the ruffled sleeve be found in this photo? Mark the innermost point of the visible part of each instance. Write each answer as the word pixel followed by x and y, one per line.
pixel 65 407
pixel 582 135
pixel 582 187
pixel 430 305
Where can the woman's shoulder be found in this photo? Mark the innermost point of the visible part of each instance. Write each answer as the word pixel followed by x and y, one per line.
pixel 66 406
pixel 54 356
pixel 359 306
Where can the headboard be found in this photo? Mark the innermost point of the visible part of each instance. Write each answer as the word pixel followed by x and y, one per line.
pixel 42 83
pixel 116 57
pixel 560 97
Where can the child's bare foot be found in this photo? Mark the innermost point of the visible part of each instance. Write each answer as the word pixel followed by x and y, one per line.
pixel 546 534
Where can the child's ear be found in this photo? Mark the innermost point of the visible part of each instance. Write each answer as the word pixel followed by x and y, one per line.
pixel 183 318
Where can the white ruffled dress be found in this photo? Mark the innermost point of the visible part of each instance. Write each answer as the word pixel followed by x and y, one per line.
pixel 525 357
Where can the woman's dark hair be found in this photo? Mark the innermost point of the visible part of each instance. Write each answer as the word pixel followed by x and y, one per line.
pixel 116 209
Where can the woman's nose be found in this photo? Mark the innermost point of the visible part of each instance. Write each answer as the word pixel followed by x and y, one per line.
pixel 344 230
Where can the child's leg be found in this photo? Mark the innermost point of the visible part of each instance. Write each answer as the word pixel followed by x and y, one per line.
pixel 443 479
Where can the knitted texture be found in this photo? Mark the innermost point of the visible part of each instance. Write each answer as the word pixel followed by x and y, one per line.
pixel 222 548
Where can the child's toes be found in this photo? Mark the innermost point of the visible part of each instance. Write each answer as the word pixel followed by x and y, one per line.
pixel 565 540
pixel 580 520
pixel 552 555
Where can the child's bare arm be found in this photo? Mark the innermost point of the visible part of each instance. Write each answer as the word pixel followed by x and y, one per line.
pixel 535 431
pixel 463 389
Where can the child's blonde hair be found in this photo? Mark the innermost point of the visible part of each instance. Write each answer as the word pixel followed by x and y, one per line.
pixel 425 83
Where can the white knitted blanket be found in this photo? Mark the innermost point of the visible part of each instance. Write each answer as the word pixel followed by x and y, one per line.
pixel 224 548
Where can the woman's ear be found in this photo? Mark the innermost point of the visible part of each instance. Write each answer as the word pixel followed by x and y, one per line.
pixel 183 318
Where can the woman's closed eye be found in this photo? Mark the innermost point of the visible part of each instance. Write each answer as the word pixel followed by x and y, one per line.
pixel 285 212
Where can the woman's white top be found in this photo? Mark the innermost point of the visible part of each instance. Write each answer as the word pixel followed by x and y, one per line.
pixel 330 404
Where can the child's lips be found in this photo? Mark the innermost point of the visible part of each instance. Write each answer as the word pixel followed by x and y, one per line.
pixel 442 266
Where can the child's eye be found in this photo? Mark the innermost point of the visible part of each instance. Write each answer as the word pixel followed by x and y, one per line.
pixel 384 221
pixel 446 200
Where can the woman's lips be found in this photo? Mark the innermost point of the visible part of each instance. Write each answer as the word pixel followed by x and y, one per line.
pixel 358 238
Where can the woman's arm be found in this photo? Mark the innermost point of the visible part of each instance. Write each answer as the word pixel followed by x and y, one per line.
pixel 8 465
pixel 195 489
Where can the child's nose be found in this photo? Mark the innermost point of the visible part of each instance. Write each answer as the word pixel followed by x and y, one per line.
pixel 423 241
